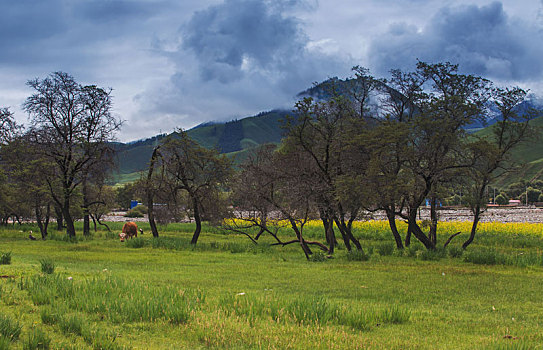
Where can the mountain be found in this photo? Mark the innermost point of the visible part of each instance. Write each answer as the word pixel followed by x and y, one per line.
pixel 233 138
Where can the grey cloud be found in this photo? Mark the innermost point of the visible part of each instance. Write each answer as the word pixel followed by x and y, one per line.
pixel 225 36
pixel 239 58
pixel 483 40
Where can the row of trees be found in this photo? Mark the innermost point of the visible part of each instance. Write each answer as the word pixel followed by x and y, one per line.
pixel 385 145
pixel 61 161
pixel 365 144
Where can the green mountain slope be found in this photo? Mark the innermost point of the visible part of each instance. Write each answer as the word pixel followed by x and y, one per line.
pixel 234 138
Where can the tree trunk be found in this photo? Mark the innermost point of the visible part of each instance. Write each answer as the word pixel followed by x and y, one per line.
pixel 391 215
pixel 70 228
pixel 198 221
pixel 328 223
pixel 432 235
pixel 149 194
pixel 40 220
pixel 86 218
pixel 476 218
pixel 414 228
pixel 59 217
pixel 307 251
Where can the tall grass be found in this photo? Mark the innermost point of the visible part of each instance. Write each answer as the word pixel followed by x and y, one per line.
pixel 47 265
pixel 37 339
pixel 5 342
pixel 494 257
pixel 5 258
pixel 310 310
pixel 116 299
pixel 9 328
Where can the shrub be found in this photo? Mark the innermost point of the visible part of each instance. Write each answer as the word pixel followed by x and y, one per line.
pixel 385 249
pixel 484 257
pixel 136 212
pixel 317 257
pixel 47 266
pixel 37 340
pixel 137 242
pixel 455 252
pixel 9 328
pixel 432 254
pixel 501 200
pixel 357 255
pixel 5 258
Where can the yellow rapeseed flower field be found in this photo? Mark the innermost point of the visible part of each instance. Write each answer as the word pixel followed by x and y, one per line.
pixel 450 227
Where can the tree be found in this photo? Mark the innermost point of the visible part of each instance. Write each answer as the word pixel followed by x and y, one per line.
pixel 316 133
pixel 201 173
pixel 449 102
pixel 70 125
pixel 278 185
pixel 27 172
pixel 8 127
pixel 492 151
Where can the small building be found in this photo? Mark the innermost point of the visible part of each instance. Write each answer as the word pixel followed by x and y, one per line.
pixel 515 202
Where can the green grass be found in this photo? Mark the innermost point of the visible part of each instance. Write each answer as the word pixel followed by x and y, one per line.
pixel 228 293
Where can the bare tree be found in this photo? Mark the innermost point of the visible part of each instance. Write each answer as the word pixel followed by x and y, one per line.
pixel 70 124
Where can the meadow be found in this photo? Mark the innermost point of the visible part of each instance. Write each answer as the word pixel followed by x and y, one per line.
pixel 228 293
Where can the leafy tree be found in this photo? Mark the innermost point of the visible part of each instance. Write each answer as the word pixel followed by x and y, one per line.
pixel 184 166
pixel 318 132
pixel 70 125
pixel 533 194
pixel 501 200
pixel 492 153
pixel 27 172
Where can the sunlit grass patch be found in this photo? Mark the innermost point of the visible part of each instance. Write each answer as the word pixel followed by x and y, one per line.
pixel 116 299
pixel 37 339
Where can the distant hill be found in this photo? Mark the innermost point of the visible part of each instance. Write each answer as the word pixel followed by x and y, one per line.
pixel 233 138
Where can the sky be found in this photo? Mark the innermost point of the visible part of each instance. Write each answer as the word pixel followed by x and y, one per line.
pixel 176 64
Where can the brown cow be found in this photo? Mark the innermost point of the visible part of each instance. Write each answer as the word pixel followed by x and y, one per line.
pixel 130 229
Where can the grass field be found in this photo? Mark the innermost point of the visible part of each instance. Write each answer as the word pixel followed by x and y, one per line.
pixel 227 293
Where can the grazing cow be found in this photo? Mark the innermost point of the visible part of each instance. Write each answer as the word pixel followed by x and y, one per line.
pixel 130 229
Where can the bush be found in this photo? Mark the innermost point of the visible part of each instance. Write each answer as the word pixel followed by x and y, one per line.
pixel 317 257
pixel 455 252
pixel 484 257
pixel 385 249
pixel 47 266
pixel 37 340
pixel 137 242
pixel 432 254
pixel 5 258
pixel 501 200
pixel 136 212
pixel 357 255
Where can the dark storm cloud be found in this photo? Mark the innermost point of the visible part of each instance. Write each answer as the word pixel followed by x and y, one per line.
pixel 483 40
pixel 238 58
pixel 226 36
pixel 40 32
